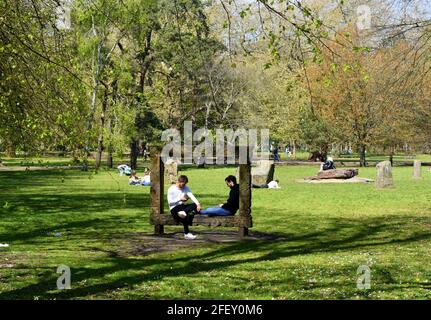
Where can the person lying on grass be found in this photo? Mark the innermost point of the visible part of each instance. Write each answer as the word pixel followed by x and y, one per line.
pixel 178 194
pixel 232 204
pixel 271 185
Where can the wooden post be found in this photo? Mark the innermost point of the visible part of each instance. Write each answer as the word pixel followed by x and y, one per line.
pixel 157 187
pixel 244 193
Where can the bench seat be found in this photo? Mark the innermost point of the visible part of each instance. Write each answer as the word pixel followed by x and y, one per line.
pixel 203 220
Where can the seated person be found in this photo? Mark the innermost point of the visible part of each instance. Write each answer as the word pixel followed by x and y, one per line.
pixel 178 194
pixel 271 185
pixel 146 179
pixel 328 164
pixel 232 204
pixel 134 180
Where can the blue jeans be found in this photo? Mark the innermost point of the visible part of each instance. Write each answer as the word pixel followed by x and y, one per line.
pixel 216 211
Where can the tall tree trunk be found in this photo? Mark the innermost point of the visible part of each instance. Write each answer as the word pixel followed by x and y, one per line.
pixel 110 159
pixel 293 145
pixel 145 63
pixel 100 146
pixel 10 151
pixel 134 153
pixel 391 156
pixel 110 125
pixel 362 155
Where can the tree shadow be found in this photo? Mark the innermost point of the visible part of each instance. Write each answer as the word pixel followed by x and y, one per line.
pixel 341 234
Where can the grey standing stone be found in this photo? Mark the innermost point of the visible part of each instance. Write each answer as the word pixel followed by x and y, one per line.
pixel 417 169
pixel 384 175
pixel 262 172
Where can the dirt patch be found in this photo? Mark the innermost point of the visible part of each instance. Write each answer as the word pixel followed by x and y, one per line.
pixel 143 244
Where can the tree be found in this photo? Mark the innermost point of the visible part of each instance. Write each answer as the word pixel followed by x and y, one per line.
pixel 41 93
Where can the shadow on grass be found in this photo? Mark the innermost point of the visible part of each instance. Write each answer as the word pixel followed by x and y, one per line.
pixel 37 213
pixel 341 234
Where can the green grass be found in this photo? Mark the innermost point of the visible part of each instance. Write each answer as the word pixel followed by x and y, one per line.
pixel 46 161
pixel 397 157
pixel 324 232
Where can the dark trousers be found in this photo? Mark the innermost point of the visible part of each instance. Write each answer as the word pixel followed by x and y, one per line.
pixel 190 209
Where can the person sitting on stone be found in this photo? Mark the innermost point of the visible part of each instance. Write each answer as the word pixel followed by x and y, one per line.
pixel 328 164
pixel 271 185
pixel 232 204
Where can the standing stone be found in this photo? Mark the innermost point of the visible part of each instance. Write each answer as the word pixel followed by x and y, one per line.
pixel 384 175
pixel 417 169
pixel 262 172
pixel 171 171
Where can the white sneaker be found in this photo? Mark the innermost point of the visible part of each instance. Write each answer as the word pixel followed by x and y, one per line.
pixel 189 236
pixel 182 214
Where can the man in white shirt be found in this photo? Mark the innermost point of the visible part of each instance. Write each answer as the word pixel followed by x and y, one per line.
pixel 178 194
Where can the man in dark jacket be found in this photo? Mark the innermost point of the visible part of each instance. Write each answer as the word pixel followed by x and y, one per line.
pixel 232 204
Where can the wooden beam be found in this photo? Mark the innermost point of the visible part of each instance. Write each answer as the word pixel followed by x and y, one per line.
pixel 245 193
pixel 203 220
pixel 157 187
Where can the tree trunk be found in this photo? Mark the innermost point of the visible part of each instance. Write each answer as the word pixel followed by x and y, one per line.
pixel 293 145
pixel 11 151
pixel 318 156
pixel 100 146
pixel 110 125
pixel 362 159
pixel 134 153
pixel 110 160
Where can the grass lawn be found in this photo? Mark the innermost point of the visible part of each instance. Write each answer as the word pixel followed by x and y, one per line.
pixel 324 233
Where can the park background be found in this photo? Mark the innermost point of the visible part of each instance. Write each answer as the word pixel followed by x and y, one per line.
pixel 85 85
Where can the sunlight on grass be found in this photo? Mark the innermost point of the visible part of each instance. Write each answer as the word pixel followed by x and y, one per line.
pixel 322 234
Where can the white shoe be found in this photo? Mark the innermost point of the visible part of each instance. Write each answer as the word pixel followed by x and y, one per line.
pixel 182 214
pixel 189 236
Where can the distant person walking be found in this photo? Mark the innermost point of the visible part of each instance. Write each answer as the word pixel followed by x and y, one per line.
pixel 287 150
pixel 275 154
pixel 145 152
